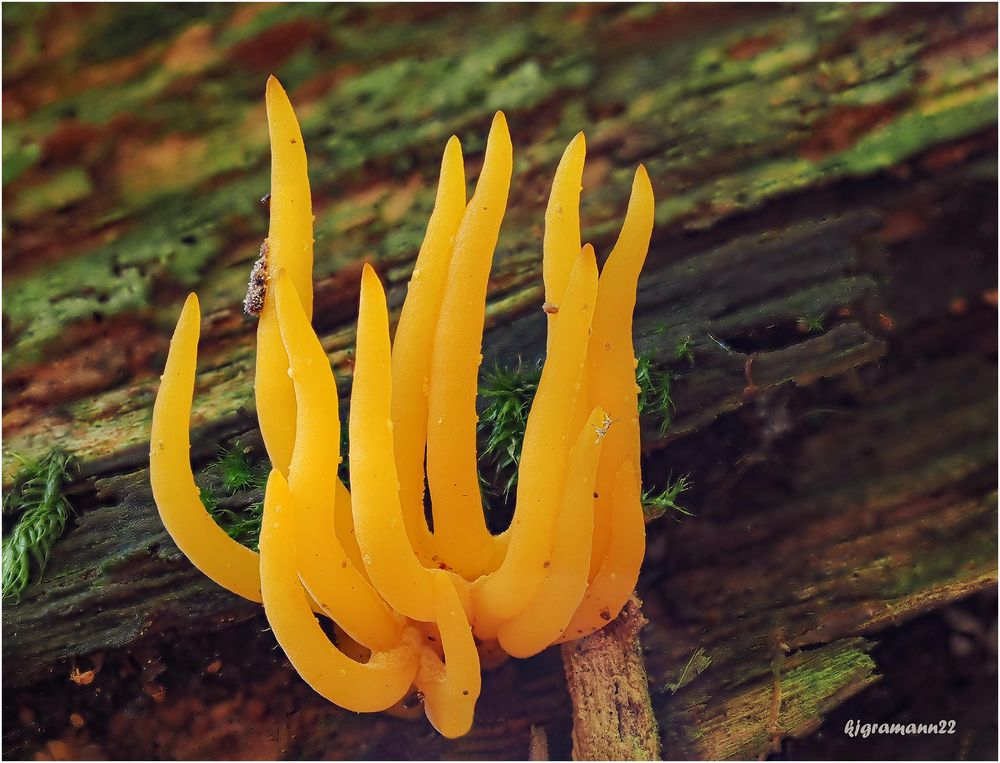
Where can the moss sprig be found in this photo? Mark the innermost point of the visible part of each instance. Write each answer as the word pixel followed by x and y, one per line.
pixel 37 497
pixel 809 324
pixel 234 472
pixel 654 392
pixel 655 505
pixel 237 472
pixel 508 392
pixel 683 351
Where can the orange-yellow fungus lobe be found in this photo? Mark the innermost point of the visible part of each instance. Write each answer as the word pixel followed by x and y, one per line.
pixel 290 239
pixel 543 622
pixel 289 249
pixel 462 539
pixel 450 689
pixel 541 474
pixel 391 563
pixel 327 572
pixel 611 355
pixel 414 344
pixel 343 523
pixel 177 496
pixel 615 580
pixel 376 685
pixel 561 242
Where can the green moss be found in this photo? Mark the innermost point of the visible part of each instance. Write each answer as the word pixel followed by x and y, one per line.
pixel 883 90
pixel 379 113
pixel 682 350
pixel 811 684
pixel 137 26
pixel 66 187
pixel 234 472
pixel 508 393
pixel 419 100
pixel 810 688
pixel 655 505
pixel 37 501
pixel 966 113
pixel 178 243
pixel 767 102
pixel 810 323
pixel 19 154
pixel 654 392
pixel 736 114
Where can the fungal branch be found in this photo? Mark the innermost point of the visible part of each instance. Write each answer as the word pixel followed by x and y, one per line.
pixel 430 607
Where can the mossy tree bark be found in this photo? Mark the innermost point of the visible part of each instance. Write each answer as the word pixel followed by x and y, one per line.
pixel 824 249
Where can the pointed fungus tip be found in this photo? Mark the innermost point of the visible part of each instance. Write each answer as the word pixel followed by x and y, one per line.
pixel 453 147
pixel 587 261
pixel 369 278
pixel 275 95
pixel 500 124
pixel 192 304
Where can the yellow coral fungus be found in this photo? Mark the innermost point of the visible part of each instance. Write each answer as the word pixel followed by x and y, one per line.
pixel 415 607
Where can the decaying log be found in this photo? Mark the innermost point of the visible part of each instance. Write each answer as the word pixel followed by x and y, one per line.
pixel 824 250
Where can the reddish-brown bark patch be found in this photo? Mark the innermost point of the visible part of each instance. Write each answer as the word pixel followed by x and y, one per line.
pixel 106 353
pixel 942 157
pixel 750 47
pixel 272 47
pixel 843 127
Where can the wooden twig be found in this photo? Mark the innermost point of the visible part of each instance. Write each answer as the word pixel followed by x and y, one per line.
pixel 538 746
pixel 606 676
